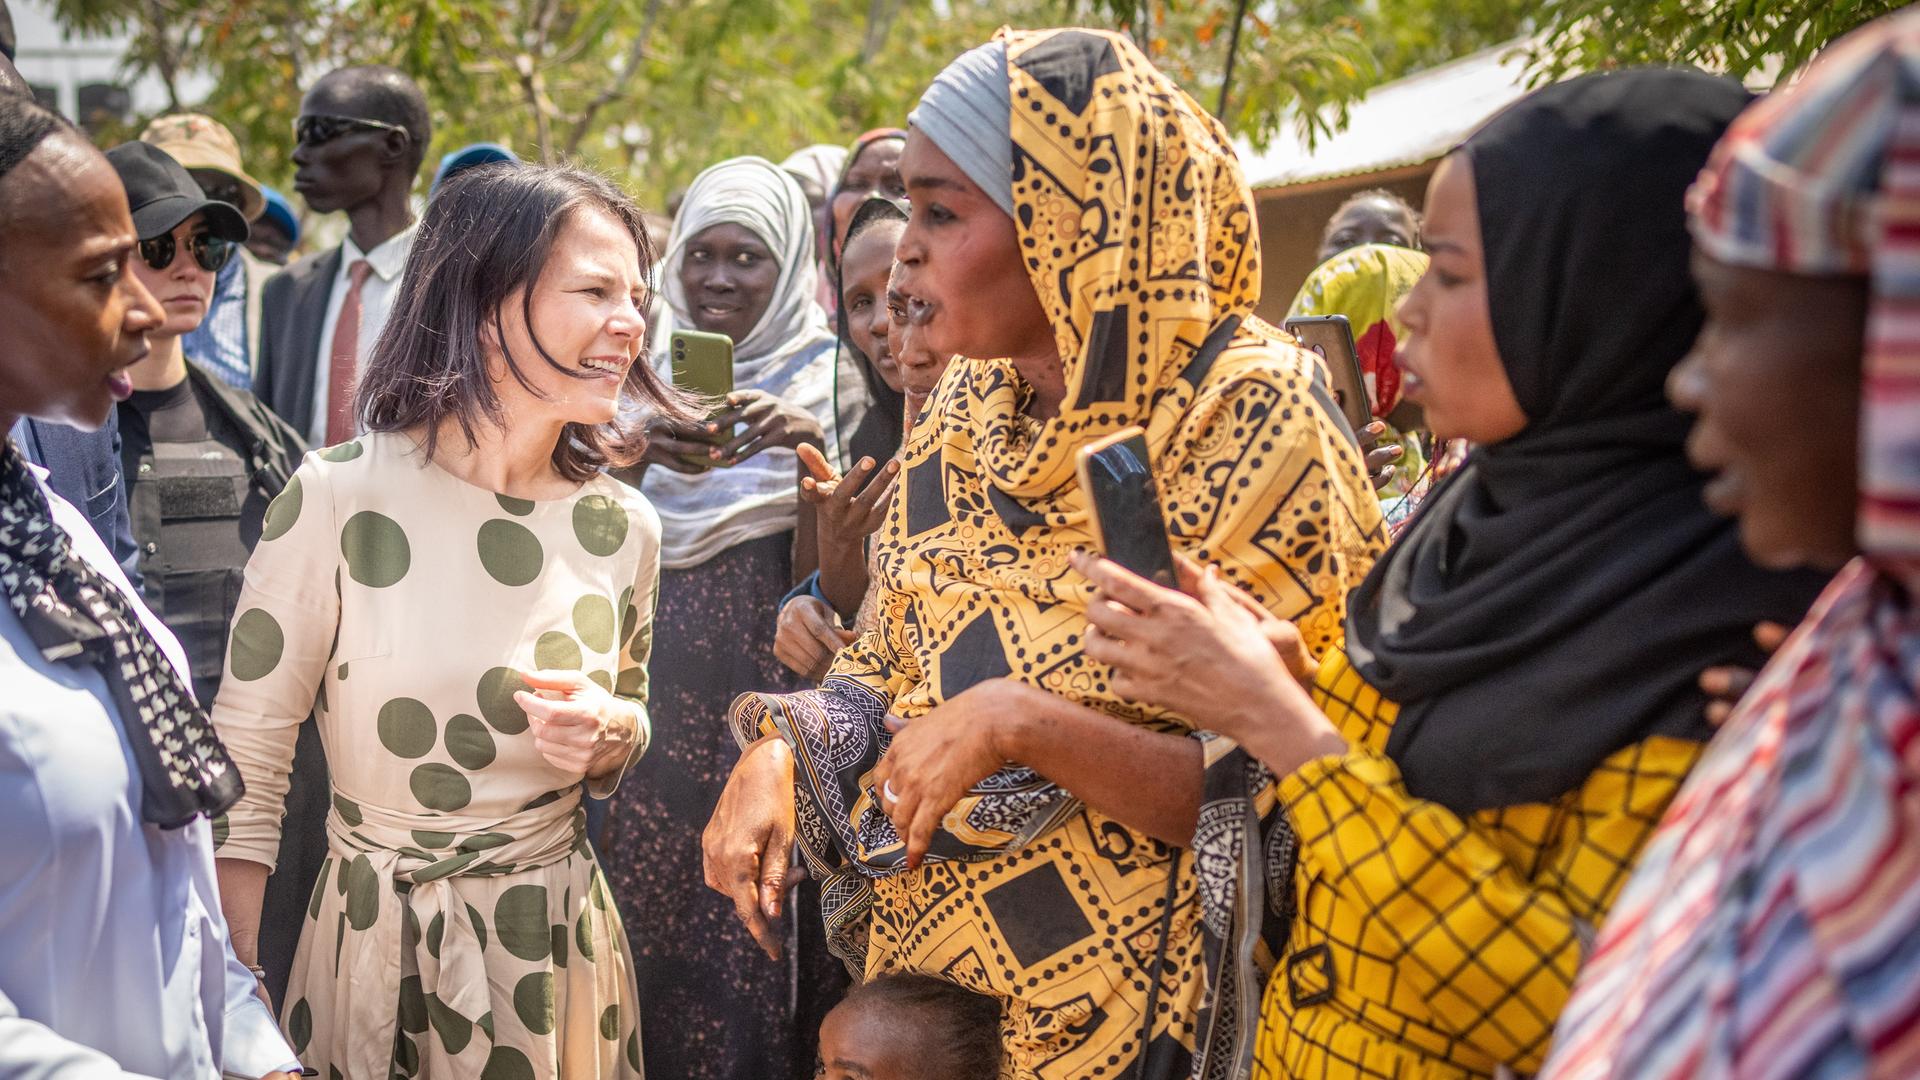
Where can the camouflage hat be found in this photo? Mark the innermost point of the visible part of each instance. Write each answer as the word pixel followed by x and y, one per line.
pixel 204 145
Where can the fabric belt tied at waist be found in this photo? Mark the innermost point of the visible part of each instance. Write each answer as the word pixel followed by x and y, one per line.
pixel 404 875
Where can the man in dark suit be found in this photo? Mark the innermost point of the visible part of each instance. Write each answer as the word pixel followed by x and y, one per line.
pixel 363 133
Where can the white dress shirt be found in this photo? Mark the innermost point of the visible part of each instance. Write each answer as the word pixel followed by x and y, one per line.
pixel 376 301
pixel 114 958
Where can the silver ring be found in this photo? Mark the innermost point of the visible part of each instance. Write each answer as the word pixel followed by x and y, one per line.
pixel 886 790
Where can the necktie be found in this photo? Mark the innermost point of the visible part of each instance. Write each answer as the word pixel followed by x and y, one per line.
pixel 343 364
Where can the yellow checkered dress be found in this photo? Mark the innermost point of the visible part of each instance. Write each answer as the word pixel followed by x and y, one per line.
pixel 1431 946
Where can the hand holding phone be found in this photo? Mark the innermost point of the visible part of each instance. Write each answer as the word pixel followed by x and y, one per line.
pixel 1117 476
pixel 703 367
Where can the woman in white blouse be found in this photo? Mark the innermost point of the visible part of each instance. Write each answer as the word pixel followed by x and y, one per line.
pixel 113 953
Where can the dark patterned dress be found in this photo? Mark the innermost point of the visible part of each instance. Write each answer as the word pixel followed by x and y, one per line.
pixel 713 1006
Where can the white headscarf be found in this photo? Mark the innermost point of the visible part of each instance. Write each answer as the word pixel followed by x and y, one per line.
pixel 788 353
pixel 821 163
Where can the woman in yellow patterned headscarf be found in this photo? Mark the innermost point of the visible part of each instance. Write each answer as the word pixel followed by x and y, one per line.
pixel 1366 284
pixel 1086 861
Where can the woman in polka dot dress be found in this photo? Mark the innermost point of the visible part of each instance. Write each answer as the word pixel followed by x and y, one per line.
pixel 462 599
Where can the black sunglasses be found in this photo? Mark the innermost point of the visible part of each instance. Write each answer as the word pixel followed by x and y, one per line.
pixel 211 252
pixel 314 129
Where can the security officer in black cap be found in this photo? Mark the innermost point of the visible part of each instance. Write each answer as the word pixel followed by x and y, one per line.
pixel 202 460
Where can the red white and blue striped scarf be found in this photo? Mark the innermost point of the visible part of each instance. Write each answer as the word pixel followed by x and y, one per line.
pixel 1772 929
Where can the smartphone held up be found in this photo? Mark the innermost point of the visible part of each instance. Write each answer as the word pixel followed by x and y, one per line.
pixel 1117 476
pixel 703 367
pixel 1331 338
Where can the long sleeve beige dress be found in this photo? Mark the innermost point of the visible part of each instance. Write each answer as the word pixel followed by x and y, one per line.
pixel 461 926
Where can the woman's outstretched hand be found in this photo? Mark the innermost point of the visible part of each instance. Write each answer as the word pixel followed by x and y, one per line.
pixel 746 843
pixel 937 756
pixel 848 508
pixel 1210 653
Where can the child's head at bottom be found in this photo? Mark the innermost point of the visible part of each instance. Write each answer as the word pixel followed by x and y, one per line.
pixel 904 1026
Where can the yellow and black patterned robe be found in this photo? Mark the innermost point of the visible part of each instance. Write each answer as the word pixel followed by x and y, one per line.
pixel 1432 946
pixel 1103 943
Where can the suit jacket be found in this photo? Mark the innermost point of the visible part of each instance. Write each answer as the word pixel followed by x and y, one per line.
pixel 83 467
pixel 293 309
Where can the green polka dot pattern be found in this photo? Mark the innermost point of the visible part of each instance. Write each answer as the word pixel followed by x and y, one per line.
pixel 375 548
pixel 455 1031
pixel 533 1002
pixel 593 622
pixel 496 951
pixel 629 615
pixel 406 727
pixel 510 552
pixel 495 697
pixel 363 892
pixel 469 742
pixel 520 920
pixel 257 644
pixel 413 1006
pixel 300 1025
pixel 348 810
pixel 282 512
pixel 556 651
pixel 600 524
pixel 506 1063
pixel 440 787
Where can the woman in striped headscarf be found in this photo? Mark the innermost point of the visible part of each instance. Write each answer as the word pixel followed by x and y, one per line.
pixel 1773 928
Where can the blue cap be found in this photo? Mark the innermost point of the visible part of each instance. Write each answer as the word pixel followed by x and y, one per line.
pixel 467 157
pixel 280 212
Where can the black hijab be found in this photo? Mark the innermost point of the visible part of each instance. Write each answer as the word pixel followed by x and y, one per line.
pixel 1557 599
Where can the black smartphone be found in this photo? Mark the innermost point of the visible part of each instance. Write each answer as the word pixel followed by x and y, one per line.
pixel 1118 479
pixel 703 366
pixel 1331 336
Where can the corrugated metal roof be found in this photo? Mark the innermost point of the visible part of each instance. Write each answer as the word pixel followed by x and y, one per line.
pixel 1417 119
pixel 1405 122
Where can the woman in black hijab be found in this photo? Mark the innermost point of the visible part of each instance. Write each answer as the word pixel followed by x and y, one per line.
pixel 1469 780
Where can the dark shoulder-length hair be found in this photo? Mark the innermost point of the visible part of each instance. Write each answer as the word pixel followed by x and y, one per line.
pixel 486 234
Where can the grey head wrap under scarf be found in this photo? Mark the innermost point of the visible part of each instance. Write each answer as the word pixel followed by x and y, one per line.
pixel 967 112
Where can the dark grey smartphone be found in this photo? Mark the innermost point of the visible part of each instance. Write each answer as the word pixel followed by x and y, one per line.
pixel 1118 479
pixel 1331 336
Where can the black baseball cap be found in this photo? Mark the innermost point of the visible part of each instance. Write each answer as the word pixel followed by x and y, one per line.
pixel 162 194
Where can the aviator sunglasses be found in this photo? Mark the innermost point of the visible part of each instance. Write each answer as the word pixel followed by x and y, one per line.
pixel 210 252
pixel 316 128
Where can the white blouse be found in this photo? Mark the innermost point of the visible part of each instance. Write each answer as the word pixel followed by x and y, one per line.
pixel 114 958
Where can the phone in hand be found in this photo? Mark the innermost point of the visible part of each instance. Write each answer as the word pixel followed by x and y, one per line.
pixel 703 366
pixel 1331 336
pixel 1117 476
